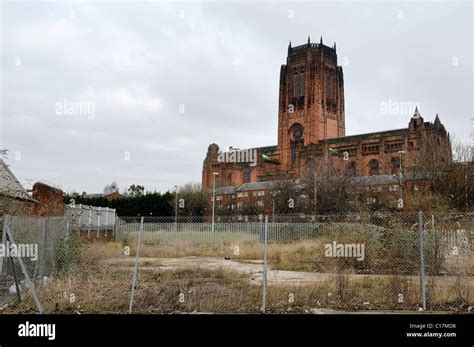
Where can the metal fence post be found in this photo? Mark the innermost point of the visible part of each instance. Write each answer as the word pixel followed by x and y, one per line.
pixel 264 277
pixel 80 215
pixel 90 222
pixel 137 256
pixel 113 223
pixel 422 259
pixel 98 223
pixel 43 254
pixel 4 234
pixel 66 240
pixel 106 221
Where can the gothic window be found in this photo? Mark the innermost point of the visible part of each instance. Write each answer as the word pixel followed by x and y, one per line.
pixel 303 81
pixel 395 164
pixel 293 152
pixel 327 86
pixel 333 87
pixel 330 86
pixel 373 167
pixel 295 83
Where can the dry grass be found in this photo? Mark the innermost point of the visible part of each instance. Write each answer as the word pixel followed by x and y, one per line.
pixel 106 289
pixel 222 291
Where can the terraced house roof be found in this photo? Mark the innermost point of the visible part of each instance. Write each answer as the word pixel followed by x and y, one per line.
pixel 9 184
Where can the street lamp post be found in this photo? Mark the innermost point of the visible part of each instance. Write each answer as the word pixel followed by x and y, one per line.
pixel 400 175
pixel 176 209
pixel 273 210
pixel 214 198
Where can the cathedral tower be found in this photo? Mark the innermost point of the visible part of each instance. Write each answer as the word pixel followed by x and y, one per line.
pixel 311 99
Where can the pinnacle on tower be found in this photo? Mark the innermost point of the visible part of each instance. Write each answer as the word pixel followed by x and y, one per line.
pixel 308 40
pixel 321 40
pixel 437 123
pixel 417 114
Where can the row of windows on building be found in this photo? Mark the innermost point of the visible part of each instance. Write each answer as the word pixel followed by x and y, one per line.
pixel 240 205
pixel 261 203
pixel 370 149
pixel 243 195
pixel 374 167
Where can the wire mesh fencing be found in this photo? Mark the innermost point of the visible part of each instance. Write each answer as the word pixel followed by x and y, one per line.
pixel 33 252
pixel 193 264
pixel 250 264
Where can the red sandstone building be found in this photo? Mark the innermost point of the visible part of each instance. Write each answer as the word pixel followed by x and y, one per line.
pixel 311 131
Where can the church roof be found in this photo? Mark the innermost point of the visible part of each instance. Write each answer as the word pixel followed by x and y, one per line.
pixel 257 185
pixel 353 137
pixel 224 190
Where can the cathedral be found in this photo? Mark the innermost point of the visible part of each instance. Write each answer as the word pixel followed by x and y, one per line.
pixel 311 127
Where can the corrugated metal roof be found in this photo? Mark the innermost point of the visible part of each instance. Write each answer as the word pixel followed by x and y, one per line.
pixel 9 184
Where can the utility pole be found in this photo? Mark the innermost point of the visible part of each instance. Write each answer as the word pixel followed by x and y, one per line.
pixel 214 199
pixel 176 209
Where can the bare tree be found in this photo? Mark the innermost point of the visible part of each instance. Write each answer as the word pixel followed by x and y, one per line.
pixel 328 188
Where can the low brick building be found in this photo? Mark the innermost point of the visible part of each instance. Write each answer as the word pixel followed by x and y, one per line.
pixel 50 200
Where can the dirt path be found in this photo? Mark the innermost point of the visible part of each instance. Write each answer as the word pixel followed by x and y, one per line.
pixel 253 268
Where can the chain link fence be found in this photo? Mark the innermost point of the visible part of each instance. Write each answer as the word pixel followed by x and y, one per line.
pixel 245 264
pixel 33 251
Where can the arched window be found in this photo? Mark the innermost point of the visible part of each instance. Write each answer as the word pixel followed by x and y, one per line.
pixel 395 165
pixel 295 82
pixel 295 133
pixel 373 167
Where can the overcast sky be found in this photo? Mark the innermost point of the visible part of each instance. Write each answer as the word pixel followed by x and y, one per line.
pixel 164 80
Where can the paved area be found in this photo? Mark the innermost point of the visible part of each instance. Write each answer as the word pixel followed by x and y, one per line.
pixel 252 268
